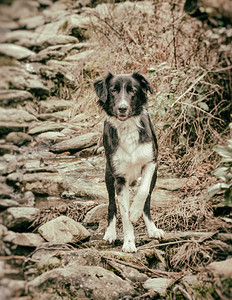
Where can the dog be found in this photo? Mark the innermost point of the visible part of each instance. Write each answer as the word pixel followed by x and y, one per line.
pixel 131 152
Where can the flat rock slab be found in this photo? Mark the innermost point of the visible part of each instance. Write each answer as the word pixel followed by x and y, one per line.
pixel 77 143
pixel 84 282
pixel 15 51
pixel 8 97
pixel 28 239
pixel 44 183
pixel 15 115
pixel 223 268
pixel 45 127
pixel 18 78
pixel 63 230
pixel 19 217
pixel 158 285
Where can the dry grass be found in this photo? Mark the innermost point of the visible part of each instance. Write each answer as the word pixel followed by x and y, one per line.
pixel 74 211
pixel 184 215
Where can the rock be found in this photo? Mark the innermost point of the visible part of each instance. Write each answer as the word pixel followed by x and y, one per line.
pixel 81 257
pixel 15 51
pixel 14 287
pixel 63 230
pixel 45 127
pixel 6 191
pixel 84 282
pixel 96 214
pixel 158 285
pixel 18 138
pixel 171 184
pixel 59 75
pixel 14 178
pixel 11 163
pixel 16 218
pixel 54 105
pixel 32 22
pixel 51 137
pixel 44 183
pixel 6 127
pixel 3 231
pixel 29 198
pixel 18 78
pixel 24 8
pixel 80 57
pixel 9 97
pixel 77 143
pixel 23 38
pixel 15 115
pixel 56 116
pixel 222 268
pixel 6 203
pixel 28 239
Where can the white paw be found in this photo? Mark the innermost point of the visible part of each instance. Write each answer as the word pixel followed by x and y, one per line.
pixel 129 246
pixel 110 235
pixel 135 213
pixel 155 232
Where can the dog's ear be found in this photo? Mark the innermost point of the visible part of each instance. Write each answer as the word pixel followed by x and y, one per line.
pixel 100 87
pixel 146 86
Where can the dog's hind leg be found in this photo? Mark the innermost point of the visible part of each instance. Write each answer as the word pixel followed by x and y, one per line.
pixel 152 230
pixel 110 234
pixel 122 190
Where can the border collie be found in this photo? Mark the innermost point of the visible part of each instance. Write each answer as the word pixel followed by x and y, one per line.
pixel 131 152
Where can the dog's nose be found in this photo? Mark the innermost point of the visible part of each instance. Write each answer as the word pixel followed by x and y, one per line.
pixel 122 109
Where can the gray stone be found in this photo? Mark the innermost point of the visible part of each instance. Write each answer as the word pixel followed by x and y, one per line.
pixel 9 97
pixel 6 203
pixel 18 138
pixel 6 127
pixel 18 78
pixel 11 288
pixel 28 239
pixel 23 38
pixel 222 268
pixel 97 214
pixel 51 136
pixel 15 51
pixel 84 281
pixel 45 127
pixel 54 105
pixel 32 22
pixel 76 143
pixel 6 191
pixel 15 115
pixel 81 257
pixel 24 8
pixel 158 285
pixel 44 183
pixel 15 177
pixel 19 217
pixel 63 230
pixel 80 57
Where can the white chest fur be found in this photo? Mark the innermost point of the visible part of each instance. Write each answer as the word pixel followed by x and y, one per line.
pixel 131 155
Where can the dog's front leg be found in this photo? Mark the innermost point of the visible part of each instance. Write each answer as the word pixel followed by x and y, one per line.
pixel 122 190
pixel 137 206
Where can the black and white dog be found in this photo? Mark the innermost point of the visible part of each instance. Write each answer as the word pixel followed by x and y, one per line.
pixel 131 152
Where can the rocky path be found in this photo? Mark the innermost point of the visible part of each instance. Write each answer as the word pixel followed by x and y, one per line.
pixel 53 199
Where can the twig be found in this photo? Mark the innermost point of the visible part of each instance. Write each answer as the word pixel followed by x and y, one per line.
pixel 183 292
pixel 191 86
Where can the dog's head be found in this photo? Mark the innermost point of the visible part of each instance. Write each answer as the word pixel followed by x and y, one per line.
pixel 123 96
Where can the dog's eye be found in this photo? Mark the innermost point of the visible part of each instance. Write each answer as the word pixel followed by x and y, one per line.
pixel 131 90
pixel 113 90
